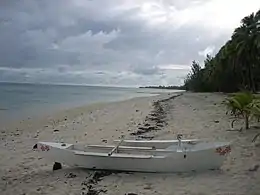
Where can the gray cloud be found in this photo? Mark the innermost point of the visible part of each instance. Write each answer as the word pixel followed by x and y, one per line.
pixel 101 42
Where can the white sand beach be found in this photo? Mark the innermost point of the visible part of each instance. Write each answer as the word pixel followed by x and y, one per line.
pixel 195 115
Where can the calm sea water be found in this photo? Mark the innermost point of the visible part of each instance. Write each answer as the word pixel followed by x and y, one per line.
pixel 18 101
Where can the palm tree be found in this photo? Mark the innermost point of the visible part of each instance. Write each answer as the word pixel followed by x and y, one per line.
pixel 237 64
pixel 246 39
pixel 245 105
pixel 239 106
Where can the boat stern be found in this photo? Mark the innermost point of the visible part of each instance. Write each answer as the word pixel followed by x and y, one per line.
pixel 223 149
pixel 57 152
pixel 46 146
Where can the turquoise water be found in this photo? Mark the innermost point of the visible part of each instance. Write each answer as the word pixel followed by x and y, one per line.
pixel 19 101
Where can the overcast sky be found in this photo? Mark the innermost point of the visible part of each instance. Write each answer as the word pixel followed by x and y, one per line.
pixel 112 42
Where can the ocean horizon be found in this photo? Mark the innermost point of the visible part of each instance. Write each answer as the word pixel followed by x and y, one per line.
pixel 22 100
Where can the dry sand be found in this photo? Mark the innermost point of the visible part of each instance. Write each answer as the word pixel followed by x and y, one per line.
pixel 24 171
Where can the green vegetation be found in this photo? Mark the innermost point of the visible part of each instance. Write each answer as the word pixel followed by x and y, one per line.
pixel 235 67
pixel 165 87
pixel 243 105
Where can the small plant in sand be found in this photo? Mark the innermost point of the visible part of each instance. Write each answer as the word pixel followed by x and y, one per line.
pixel 243 105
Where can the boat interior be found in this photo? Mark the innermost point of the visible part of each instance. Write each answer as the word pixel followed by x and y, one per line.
pixel 150 148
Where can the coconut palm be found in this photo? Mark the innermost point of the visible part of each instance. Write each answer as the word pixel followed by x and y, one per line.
pixel 245 105
pixel 245 38
pixel 237 64
pixel 239 106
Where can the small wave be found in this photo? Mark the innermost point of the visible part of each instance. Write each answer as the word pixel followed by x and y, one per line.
pixel 155 93
pixel 3 109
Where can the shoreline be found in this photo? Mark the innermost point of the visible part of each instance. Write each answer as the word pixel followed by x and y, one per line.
pixel 22 102
pixel 61 111
pixel 195 115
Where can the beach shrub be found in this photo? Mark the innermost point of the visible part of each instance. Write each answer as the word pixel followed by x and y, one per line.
pixel 243 105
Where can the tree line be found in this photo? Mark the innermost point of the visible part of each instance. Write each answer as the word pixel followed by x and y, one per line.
pixel 235 67
pixel 165 87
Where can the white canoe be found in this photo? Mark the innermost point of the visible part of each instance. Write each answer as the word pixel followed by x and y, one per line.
pixel 140 155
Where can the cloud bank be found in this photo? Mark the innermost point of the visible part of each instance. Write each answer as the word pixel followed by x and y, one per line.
pixel 119 42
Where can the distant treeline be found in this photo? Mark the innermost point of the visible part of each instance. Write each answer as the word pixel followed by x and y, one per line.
pixel 166 87
pixel 235 67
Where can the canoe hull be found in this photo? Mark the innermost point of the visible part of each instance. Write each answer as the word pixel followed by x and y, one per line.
pixel 174 162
